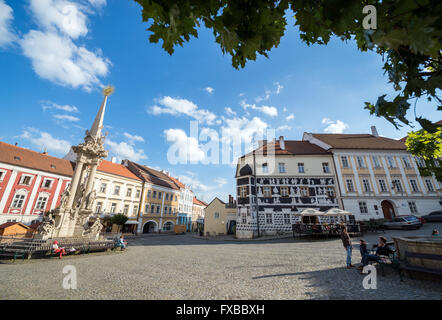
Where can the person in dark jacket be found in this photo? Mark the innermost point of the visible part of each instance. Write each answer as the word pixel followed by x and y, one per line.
pixel 382 250
pixel 345 237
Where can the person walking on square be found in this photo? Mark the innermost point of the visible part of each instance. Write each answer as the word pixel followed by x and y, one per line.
pixel 345 237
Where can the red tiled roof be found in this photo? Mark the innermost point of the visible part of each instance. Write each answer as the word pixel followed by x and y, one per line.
pixel 117 169
pixel 359 141
pixel 34 160
pixel 177 182
pixel 292 147
pixel 150 175
pixel 199 202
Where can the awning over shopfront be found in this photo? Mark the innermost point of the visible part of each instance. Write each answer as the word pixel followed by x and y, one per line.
pixel 131 222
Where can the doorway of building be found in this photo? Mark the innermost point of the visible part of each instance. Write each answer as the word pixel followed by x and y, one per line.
pixel 232 227
pixel 149 227
pixel 387 209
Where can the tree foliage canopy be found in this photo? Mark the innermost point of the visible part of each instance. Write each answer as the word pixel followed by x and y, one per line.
pixel 408 36
pixel 119 219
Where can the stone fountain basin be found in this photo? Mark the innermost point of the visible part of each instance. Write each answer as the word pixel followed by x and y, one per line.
pixel 420 244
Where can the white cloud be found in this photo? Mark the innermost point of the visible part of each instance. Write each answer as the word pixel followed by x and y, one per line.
pixel 124 150
pixel 290 117
pixel 265 97
pixel 209 90
pixel 6 15
pixel 184 148
pixel 268 110
pixel 220 181
pixel 279 87
pixel 284 128
pixel 98 3
pixel 243 130
pixel 46 141
pixel 285 109
pixel 194 183
pixel 133 138
pixel 230 112
pixel 60 15
pixel 334 127
pixel 59 60
pixel 52 51
pixel 51 105
pixel 66 117
pixel 176 107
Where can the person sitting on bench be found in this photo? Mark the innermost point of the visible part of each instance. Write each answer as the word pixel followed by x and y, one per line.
pixel 363 250
pixel 383 250
pixel 435 233
pixel 57 249
pixel 122 243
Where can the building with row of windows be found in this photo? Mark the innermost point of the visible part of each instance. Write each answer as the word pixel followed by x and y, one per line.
pixel 371 176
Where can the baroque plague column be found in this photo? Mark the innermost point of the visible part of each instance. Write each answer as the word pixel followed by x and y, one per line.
pixel 72 217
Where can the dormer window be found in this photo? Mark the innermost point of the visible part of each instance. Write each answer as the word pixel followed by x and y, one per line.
pixel 53 166
pixel 17 158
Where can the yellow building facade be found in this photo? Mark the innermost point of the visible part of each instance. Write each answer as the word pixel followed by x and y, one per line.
pixel 219 218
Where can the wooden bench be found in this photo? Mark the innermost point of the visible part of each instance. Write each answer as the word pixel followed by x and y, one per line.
pixel 393 260
pixel 427 256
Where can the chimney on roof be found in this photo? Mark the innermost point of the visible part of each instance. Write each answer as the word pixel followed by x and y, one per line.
pixel 230 200
pixel 374 131
pixel 114 159
pixel 16 144
pixel 261 143
pixel 281 142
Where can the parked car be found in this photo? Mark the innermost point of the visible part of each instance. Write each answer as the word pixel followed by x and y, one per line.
pixel 435 216
pixel 421 219
pixel 404 222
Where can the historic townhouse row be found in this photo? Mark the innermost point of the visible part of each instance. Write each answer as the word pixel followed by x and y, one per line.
pixel 371 176
pixel 377 177
pixel 31 184
pixel 281 178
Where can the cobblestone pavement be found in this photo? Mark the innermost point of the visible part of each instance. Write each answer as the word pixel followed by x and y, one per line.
pixel 182 267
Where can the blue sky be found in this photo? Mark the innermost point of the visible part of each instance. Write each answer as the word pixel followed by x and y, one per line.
pixel 52 72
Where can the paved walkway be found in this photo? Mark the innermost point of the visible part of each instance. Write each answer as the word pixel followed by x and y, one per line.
pixel 182 267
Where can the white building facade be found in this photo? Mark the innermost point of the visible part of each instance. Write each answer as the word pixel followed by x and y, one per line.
pixel 377 177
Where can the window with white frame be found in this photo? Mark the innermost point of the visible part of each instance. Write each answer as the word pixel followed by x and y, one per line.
pixel 2 175
pixel 243 191
pixel 152 208
pixel 117 191
pixel 420 162
pixel 383 185
pixel 19 199
pixel 281 166
pixel 397 185
pixel 366 184
pixel 265 168
pixel 304 191
pixel 267 192
pixel 414 186
pixel 98 207
pixel 376 162
pixel 363 207
pixel 391 162
pixel 25 180
pixel 325 167
pixel 330 192
pixel 269 218
pixel 286 218
pixel 361 162
pixel 284 191
pixel 158 209
pixel 103 188
pixel 41 202
pixel 350 185
pixel 135 210
pixel 301 167
pixel 129 192
pixel 138 193
pixel 407 162
pixel 412 206
pixel 344 162
pixel 47 183
pixel 429 185
pixel 113 208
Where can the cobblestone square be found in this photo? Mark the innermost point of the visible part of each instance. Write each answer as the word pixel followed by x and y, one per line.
pixel 182 267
